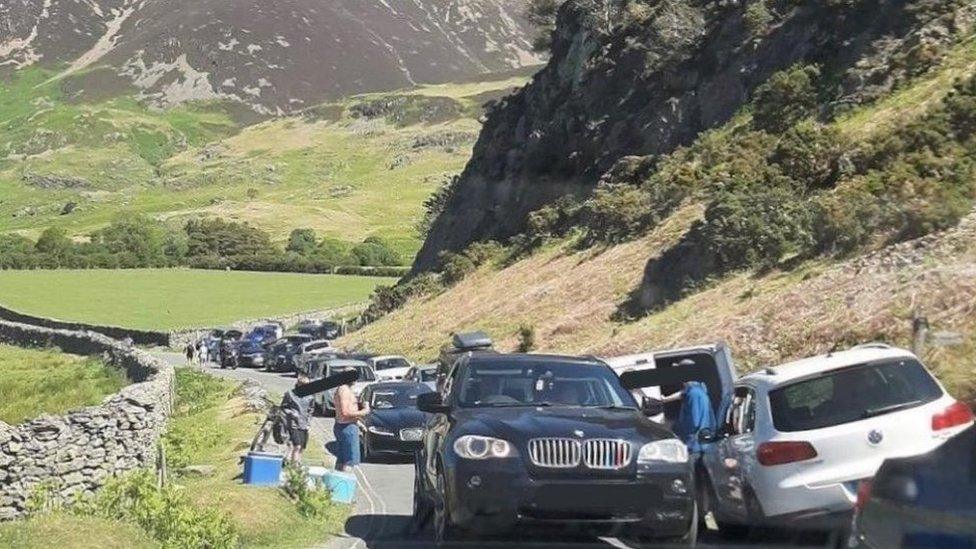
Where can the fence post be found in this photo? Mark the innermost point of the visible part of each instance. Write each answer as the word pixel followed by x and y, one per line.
pixel 920 329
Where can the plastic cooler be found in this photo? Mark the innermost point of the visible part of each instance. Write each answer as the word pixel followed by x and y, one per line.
pixel 262 469
pixel 341 485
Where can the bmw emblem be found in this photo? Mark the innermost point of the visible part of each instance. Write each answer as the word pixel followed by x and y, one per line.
pixel 875 437
pixel 579 433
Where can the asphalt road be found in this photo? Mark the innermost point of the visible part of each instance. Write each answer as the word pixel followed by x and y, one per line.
pixel 382 517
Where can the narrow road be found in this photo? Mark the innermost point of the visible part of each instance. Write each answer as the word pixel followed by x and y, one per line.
pixel 383 511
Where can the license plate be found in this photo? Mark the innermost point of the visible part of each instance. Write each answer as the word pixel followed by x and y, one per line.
pixel 411 434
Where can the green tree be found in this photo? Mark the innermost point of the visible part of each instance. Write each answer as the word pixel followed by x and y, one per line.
pixel 786 98
pixel 137 238
pixel 301 241
pixel 54 241
pixel 219 238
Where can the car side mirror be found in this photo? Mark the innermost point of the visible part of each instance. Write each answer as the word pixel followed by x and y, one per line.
pixel 652 406
pixel 432 403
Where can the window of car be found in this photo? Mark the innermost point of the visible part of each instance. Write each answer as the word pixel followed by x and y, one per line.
pixel 427 375
pixel 499 384
pixel 400 397
pixel 388 363
pixel 852 394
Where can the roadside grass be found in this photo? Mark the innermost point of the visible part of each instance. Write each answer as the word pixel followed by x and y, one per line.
pixel 212 427
pixel 35 382
pixel 166 299
pixel 67 531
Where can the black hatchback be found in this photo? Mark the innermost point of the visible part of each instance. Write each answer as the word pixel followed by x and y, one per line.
pixel 549 440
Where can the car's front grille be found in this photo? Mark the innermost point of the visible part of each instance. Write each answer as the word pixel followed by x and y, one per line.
pixel 561 453
pixel 602 453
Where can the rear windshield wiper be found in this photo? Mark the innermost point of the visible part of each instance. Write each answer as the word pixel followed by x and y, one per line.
pixel 881 410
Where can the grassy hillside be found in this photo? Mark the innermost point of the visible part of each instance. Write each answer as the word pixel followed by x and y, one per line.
pixel 357 168
pixel 170 299
pixel 35 382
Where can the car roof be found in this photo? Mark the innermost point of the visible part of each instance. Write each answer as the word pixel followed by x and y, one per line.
pixel 811 366
pixel 345 362
pixel 532 359
pixel 396 385
pixel 386 357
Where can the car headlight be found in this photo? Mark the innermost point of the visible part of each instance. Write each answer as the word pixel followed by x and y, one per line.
pixel 663 451
pixel 478 447
pixel 379 431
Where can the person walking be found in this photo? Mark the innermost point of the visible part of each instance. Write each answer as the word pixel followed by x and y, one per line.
pixel 203 351
pixel 298 412
pixel 346 432
pixel 189 353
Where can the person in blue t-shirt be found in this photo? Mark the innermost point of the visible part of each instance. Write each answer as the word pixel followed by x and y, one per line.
pixel 696 414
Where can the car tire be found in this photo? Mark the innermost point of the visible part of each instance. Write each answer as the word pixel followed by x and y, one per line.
pixel 422 509
pixel 364 453
pixel 445 530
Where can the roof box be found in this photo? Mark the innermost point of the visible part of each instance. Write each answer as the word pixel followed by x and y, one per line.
pixel 472 341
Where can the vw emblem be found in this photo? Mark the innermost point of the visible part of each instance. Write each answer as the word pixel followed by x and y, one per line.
pixel 875 437
pixel 579 433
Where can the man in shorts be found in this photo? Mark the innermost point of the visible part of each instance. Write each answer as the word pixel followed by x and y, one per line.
pixel 298 412
pixel 346 431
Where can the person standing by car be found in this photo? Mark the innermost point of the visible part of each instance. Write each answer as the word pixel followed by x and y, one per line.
pixel 346 432
pixel 298 411
pixel 696 414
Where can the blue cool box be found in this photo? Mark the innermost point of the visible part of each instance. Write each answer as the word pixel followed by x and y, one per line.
pixel 262 469
pixel 342 485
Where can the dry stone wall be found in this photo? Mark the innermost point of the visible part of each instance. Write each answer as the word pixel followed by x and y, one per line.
pixel 75 453
pixel 139 337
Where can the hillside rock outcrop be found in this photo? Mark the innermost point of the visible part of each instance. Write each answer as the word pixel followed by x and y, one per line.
pixel 651 76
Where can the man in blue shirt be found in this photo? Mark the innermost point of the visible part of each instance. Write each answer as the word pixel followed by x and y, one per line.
pixel 696 414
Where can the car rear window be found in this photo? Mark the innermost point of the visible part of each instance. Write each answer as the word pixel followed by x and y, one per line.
pixel 852 394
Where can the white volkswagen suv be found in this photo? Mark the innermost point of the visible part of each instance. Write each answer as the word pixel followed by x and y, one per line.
pixel 797 438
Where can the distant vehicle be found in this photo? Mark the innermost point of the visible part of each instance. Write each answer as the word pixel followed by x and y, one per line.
pixel 424 373
pixel 395 425
pixel 281 353
pixel 324 368
pixel 389 367
pixel 469 342
pixel 250 353
pixel 320 329
pixel 550 440
pixel 922 501
pixel 264 334
pixel 798 438
pixel 309 350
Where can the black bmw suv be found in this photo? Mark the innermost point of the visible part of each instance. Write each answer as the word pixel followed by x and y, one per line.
pixel 549 440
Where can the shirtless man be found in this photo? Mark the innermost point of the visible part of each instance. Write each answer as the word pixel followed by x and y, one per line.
pixel 345 430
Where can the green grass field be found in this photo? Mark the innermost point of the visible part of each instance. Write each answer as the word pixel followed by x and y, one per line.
pixel 34 382
pixel 168 299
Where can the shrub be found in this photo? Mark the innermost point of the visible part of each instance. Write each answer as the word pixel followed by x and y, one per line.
pixel 756 228
pixel 785 98
pixel 808 153
pixel 165 513
pixel 301 241
pixel 484 252
pixel 961 108
pixel 455 266
pixel 526 336
pixel 311 501
pixel 757 17
pixel 616 213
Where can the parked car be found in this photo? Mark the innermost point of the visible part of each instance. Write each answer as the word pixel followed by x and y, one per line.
pixel 923 501
pixel 264 334
pixel 798 438
pixel 307 351
pixel 423 373
pixel 250 353
pixel 389 367
pixel 282 352
pixel 553 440
pixel 327 367
pixel 395 425
pixel 320 329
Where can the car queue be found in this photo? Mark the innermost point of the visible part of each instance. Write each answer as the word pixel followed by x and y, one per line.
pixel 506 440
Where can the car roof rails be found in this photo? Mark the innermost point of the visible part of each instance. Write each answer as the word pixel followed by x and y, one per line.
pixel 770 371
pixel 872 345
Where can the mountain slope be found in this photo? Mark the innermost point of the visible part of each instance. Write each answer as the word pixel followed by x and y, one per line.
pixel 652 77
pixel 276 57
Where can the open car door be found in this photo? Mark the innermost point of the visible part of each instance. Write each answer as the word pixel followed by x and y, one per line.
pixel 659 374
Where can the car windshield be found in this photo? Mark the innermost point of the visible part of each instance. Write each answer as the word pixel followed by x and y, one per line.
pixel 399 397
pixel 852 394
pixel 428 375
pixel 365 373
pixel 490 385
pixel 387 363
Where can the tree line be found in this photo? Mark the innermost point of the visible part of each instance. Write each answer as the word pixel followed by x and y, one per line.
pixel 137 241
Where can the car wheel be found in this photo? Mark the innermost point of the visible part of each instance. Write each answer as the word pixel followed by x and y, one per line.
pixel 444 529
pixel 364 448
pixel 421 506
